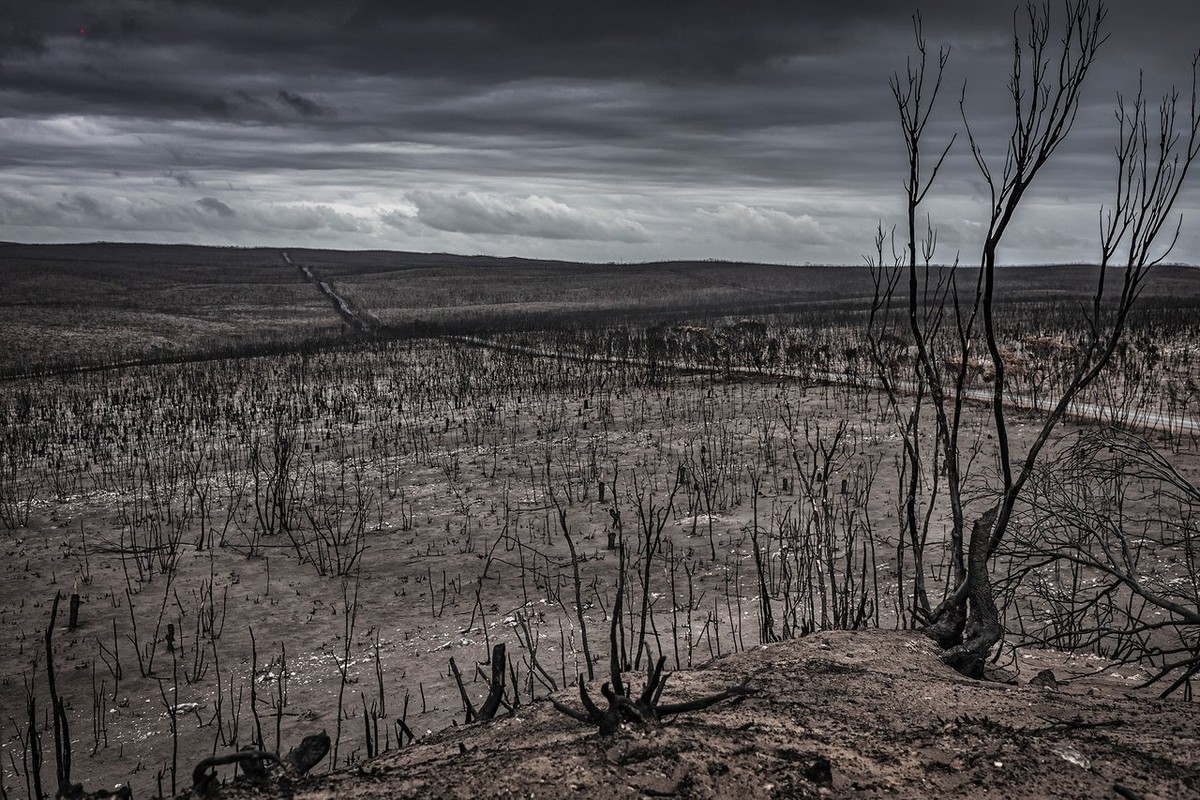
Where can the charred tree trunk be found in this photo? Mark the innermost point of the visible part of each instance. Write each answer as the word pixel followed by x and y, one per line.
pixel 983 629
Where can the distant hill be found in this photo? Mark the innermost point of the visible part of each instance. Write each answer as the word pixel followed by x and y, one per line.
pixel 84 304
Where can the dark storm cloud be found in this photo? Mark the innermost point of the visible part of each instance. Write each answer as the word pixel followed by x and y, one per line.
pixel 82 204
pixel 16 40
pixel 487 43
pixel 144 53
pixel 301 105
pixel 215 206
pixel 763 128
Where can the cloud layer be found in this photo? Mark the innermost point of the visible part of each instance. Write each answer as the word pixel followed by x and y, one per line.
pixel 612 131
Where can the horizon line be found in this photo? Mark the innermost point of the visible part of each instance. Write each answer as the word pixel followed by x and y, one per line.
pixel 704 260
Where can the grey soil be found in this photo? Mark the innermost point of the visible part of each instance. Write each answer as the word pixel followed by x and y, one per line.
pixel 837 714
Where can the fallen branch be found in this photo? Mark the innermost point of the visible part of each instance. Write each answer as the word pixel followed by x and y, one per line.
pixel 297 762
pixel 251 762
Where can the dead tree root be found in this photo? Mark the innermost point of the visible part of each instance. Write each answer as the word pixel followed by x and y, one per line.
pixel 646 709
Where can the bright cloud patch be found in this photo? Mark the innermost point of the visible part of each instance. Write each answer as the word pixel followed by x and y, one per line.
pixel 103 214
pixel 477 212
pixel 756 224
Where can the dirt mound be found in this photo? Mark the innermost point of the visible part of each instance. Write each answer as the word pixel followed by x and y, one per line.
pixel 834 714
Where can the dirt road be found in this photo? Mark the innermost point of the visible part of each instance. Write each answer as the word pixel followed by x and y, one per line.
pixel 353 317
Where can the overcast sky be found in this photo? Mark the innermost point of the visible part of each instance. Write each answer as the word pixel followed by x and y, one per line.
pixel 599 131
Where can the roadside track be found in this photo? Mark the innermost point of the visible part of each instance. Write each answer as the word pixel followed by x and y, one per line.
pixel 351 315
pixel 1077 410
